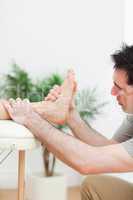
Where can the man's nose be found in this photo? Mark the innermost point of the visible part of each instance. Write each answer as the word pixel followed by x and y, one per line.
pixel 114 91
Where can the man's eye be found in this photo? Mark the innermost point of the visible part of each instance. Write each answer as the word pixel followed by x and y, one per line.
pixel 118 87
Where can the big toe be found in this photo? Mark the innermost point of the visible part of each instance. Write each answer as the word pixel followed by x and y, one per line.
pixel 69 82
pixel 71 79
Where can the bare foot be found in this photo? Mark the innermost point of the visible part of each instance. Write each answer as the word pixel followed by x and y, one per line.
pixel 57 111
pixel 54 111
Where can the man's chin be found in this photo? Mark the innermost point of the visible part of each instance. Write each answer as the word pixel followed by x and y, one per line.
pixel 127 111
pixel 124 109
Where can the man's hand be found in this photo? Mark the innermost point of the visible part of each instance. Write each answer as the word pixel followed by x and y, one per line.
pixel 19 110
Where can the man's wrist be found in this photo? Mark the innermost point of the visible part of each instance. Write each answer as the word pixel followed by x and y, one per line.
pixel 33 116
pixel 40 128
pixel 72 117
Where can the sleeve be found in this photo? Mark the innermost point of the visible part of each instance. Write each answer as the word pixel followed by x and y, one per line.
pixel 124 134
pixel 125 131
pixel 128 145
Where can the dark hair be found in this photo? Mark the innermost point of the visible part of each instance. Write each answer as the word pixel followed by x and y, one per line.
pixel 123 59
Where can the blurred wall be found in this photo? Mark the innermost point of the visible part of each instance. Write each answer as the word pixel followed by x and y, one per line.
pixel 45 36
pixel 128 24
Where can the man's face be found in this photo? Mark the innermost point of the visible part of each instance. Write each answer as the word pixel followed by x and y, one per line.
pixel 122 91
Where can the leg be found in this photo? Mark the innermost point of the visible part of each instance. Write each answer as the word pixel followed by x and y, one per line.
pixel 104 187
pixel 21 175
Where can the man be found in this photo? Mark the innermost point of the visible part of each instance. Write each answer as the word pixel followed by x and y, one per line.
pixel 88 151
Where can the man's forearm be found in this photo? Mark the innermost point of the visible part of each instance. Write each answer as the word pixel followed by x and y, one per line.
pixel 77 154
pixel 61 145
pixel 85 132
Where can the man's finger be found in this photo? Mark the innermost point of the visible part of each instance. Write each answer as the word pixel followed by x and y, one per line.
pixel 56 86
pixel 11 101
pixel 18 99
pixel 26 100
pixel 57 89
pixel 50 97
pixel 55 94
pixel 45 98
pixel 8 107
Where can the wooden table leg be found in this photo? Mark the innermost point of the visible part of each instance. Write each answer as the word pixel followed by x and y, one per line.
pixel 21 175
